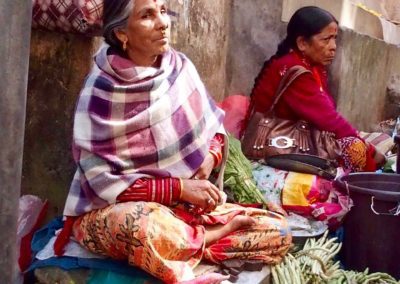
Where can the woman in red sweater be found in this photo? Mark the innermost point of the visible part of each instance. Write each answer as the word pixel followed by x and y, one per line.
pixel 311 42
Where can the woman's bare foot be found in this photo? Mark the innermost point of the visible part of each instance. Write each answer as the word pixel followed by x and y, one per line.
pixel 214 233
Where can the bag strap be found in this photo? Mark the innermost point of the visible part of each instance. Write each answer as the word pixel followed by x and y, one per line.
pixel 291 74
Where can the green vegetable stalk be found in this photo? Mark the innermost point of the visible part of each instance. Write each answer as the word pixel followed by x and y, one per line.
pixel 238 175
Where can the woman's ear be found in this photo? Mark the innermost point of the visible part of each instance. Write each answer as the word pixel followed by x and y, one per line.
pixel 301 43
pixel 121 35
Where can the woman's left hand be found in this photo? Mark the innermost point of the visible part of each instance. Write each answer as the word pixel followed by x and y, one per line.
pixel 206 168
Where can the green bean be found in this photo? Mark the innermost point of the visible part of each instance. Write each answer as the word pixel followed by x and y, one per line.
pixel 281 275
pixel 274 276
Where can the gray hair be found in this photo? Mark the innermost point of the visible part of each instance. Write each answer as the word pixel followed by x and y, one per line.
pixel 115 16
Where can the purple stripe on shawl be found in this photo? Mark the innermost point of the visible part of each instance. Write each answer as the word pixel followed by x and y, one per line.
pixel 134 108
pixel 194 160
pixel 87 193
pixel 99 106
pixel 142 161
pixel 175 73
pixel 181 124
pixel 103 84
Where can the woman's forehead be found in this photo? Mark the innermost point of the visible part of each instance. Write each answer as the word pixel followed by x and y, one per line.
pixel 331 28
pixel 141 5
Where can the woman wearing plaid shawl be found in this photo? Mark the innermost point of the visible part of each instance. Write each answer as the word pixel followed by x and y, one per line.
pixel 146 139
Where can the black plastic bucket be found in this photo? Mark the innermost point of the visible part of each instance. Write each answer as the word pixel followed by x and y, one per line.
pixel 372 227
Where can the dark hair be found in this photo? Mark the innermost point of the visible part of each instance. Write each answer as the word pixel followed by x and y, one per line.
pixel 306 21
pixel 115 16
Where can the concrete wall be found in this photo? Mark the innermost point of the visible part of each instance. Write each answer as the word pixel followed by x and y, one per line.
pixel 58 65
pixel 200 30
pixel 256 30
pixel 360 76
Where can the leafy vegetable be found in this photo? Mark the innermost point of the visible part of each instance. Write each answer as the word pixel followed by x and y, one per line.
pixel 238 175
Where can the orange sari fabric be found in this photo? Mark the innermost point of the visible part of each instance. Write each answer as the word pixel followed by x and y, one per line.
pixel 169 243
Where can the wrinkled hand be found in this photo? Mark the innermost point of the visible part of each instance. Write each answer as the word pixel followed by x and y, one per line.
pixel 201 193
pixel 206 168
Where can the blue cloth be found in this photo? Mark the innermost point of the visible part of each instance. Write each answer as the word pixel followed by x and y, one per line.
pixel 109 277
pixel 43 236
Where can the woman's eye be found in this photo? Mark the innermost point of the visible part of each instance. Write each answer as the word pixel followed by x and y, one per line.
pixel 146 15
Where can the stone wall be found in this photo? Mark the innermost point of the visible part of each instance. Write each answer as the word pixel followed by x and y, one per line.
pixel 200 30
pixel 359 78
pixel 58 65
pixel 256 30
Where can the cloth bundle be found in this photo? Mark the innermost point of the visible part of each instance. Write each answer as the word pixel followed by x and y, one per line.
pixel 304 194
pixel 69 16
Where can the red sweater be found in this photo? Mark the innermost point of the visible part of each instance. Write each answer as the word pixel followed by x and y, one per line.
pixel 306 98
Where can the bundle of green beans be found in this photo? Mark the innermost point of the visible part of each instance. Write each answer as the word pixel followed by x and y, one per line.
pixel 314 264
pixel 238 175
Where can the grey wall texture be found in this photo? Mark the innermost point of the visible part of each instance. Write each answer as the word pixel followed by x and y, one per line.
pixel 58 65
pixel 359 78
pixel 200 29
pixel 255 31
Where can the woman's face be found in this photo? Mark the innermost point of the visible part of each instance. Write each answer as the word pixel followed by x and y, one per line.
pixel 147 31
pixel 321 48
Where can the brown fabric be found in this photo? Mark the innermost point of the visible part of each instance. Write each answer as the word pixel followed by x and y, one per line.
pixel 267 135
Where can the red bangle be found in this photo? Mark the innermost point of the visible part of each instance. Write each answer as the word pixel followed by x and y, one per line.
pixel 217 158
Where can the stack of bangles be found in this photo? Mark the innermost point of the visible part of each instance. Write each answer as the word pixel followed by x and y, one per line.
pixel 216 149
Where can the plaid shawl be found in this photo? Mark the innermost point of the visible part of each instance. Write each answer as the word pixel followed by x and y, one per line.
pixel 133 122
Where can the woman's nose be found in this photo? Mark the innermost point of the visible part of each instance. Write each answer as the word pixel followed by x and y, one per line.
pixel 163 20
pixel 333 44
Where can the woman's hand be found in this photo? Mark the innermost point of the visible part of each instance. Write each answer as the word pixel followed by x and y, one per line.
pixel 206 168
pixel 201 193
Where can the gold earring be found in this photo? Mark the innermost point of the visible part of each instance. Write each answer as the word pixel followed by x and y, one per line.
pixel 124 45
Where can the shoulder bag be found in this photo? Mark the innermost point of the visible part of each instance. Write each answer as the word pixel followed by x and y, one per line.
pixel 267 135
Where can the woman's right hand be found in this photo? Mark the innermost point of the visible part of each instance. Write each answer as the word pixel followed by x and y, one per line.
pixel 201 193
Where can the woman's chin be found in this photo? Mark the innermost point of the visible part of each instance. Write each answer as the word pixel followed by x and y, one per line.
pixel 328 62
pixel 164 48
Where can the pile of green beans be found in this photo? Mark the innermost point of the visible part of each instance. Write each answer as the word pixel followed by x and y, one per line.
pixel 315 264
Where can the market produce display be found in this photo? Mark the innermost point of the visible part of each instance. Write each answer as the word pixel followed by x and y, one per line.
pixel 315 264
pixel 238 175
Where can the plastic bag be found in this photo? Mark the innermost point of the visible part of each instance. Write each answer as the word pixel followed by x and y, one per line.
pixel 30 215
pixel 235 107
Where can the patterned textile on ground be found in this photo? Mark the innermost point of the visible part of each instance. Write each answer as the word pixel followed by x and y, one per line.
pixel 356 155
pixel 72 16
pixel 382 141
pixel 304 194
pixel 170 243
